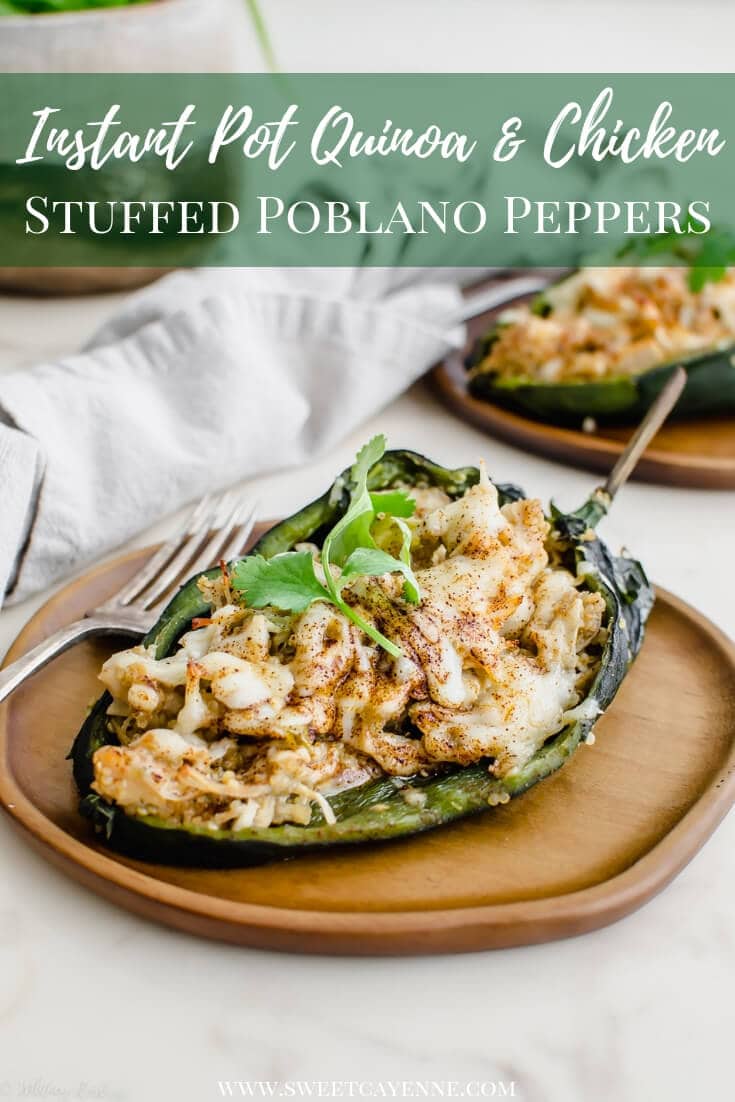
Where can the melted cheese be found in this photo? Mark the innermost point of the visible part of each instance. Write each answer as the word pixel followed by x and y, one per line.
pixel 608 322
pixel 249 724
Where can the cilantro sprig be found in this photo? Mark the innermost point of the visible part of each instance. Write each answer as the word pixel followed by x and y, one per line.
pixel 289 581
pixel 708 256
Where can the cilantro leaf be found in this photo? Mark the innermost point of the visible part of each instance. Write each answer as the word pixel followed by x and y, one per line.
pixel 289 581
pixel 353 530
pixel 700 276
pixel 372 562
pixel 286 581
pixel 368 455
pixel 707 256
pixel 396 503
pixel 369 561
pixel 411 588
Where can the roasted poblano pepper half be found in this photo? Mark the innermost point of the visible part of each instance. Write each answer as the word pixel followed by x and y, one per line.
pixel 376 811
pixel 622 400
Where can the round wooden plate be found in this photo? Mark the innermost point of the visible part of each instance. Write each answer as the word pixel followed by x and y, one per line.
pixel 698 453
pixel 580 850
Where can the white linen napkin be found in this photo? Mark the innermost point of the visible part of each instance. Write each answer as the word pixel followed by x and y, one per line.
pixel 204 378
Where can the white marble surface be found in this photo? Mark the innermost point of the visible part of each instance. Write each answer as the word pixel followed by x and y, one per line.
pixel 96 1003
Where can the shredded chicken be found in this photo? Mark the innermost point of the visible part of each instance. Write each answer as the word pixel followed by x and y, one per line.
pixel 609 322
pixel 258 717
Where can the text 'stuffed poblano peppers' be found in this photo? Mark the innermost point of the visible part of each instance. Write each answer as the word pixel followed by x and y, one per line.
pixel 602 344
pixel 365 515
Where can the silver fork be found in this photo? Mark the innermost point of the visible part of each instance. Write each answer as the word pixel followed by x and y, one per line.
pixel 217 528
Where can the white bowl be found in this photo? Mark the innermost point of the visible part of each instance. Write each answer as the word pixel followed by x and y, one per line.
pixel 164 36
pixel 173 36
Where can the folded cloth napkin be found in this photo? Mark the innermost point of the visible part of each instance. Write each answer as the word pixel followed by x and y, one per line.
pixel 205 378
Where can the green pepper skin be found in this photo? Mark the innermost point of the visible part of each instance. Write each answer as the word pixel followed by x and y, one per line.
pixel 376 811
pixel 710 389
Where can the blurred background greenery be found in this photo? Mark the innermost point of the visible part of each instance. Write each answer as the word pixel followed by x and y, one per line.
pixel 50 7
pixel 38 7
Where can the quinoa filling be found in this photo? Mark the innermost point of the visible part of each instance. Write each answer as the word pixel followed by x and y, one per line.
pixel 260 716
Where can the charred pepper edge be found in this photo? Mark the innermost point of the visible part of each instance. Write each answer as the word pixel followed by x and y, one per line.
pixel 376 811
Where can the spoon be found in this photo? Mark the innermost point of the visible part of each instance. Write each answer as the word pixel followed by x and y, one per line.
pixel 645 432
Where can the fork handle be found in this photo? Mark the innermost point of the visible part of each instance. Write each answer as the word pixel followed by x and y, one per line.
pixel 19 671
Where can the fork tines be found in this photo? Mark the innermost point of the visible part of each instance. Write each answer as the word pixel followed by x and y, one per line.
pixel 217 528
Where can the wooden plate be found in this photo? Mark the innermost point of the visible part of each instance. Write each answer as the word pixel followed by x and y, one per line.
pixel 698 453
pixel 579 851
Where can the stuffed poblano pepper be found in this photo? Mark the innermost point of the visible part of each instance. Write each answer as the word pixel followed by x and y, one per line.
pixel 415 646
pixel 601 344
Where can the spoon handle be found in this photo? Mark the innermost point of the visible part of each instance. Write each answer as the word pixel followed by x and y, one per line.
pixel 645 432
